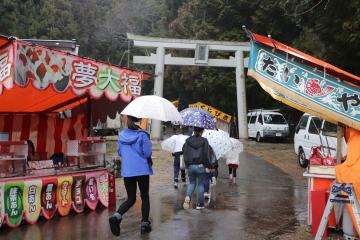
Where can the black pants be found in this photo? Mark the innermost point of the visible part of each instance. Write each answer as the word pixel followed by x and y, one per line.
pixel 177 168
pixel 130 186
pixel 232 171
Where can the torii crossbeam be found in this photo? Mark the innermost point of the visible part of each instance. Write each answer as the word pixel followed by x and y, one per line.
pixel 201 49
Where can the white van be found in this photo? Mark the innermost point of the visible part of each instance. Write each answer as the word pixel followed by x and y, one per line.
pixel 266 124
pixel 313 131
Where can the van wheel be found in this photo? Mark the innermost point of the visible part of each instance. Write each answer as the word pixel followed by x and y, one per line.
pixel 258 137
pixel 303 162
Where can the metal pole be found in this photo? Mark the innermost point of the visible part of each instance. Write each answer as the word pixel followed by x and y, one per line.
pixel 340 134
pixel 241 94
pixel 158 88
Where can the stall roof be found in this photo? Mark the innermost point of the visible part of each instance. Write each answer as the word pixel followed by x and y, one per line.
pixel 44 80
pixel 307 59
pixel 4 40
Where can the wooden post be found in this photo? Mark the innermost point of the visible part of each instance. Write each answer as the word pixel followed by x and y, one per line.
pixel 340 134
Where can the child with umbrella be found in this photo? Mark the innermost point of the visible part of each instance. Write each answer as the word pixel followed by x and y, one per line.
pixel 174 144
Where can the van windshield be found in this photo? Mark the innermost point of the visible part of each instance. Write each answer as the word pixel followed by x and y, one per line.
pixel 274 119
pixel 330 129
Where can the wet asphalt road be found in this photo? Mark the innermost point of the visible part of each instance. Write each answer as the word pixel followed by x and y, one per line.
pixel 264 204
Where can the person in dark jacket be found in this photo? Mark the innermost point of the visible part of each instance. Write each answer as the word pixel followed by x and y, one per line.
pixel 134 148
pixel 196 152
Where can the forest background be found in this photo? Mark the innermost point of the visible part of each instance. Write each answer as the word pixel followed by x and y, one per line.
pixel 326 29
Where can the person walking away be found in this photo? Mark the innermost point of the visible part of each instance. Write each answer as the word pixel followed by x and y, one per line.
pixel 134 148
pixel 177 153
pixel 196 152
pixel 232 161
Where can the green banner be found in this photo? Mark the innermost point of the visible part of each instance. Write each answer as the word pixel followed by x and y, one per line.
pixel 14 203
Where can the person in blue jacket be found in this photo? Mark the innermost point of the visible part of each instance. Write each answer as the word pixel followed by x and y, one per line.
pixel 134 148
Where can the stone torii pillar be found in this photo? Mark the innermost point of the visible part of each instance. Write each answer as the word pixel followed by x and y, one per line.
pixel 158 88
pixel 201 49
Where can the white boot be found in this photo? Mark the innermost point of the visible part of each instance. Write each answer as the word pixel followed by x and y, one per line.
pixel 230 178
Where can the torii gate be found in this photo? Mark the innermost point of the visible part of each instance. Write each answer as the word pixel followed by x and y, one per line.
pixel 201 49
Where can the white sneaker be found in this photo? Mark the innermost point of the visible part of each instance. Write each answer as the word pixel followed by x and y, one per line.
pixel 175 185
pixel 186 204
pixel 213 181
pixel 206 195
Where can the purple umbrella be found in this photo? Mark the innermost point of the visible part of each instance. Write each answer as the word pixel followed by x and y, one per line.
pixel 197 117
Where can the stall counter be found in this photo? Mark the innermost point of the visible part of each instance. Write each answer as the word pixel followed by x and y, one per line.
pixel 319 186
pixel 29 197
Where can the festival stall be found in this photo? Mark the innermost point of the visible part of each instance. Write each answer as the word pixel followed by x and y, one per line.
pixel 316 87
pixel 50 164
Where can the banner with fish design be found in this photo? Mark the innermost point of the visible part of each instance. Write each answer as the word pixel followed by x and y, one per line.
pixel 304 88
pixel 32 200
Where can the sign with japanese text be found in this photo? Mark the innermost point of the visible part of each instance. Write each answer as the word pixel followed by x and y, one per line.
pixel 305 88
pixel 48 197
pixel 2 210
pixel 32 200
pixel 43 67
pixel 103 188
pixel 78 193
pixel 14 203
pixel 27 198
pixel 91 190
pixel 214 112
pixel 64 194
pixel 6 68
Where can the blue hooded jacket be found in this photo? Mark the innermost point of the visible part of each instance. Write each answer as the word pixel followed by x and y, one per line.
pixel 134 148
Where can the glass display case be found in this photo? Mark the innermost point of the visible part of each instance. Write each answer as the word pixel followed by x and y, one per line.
pixel 13 156
pixel 86 153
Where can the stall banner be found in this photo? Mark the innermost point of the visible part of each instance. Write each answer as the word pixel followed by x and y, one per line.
pixel 32 200
pixel 112 189
pixel 48 197
pixel 14 203
pixel 326 96
pixel 2 210
pixel 7 67
pixel 91 190
pixel 64 194
pixel 43 67
pixel 213 111
pixel 103 188
pixel 78 193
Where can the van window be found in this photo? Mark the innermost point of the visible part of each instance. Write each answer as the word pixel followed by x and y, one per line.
pixel 253 119
pixel 330 129
pixel 315 125
pixel 303 123
pixel 274 119
pixel 248 118
pixel 260 119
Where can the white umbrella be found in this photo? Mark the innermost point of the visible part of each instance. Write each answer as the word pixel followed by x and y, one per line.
pixel 152 107
pixel 236 144
pixel 219 141
pixel 174 143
